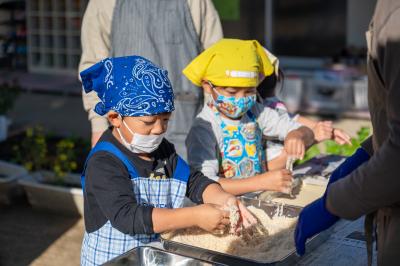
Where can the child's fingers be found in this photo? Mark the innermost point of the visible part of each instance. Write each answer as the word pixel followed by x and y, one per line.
pixel 286 173
pixel 296 150
pixel 287 180
pixel 327 123
pixel 221 226
pixel 327 130
pixel 247 217
pixel 340 141
pixel 286 189
pixel 225 221
pixel 302 151
pixel 299 149
pixel 325 127
pixel 287 184
pixel 287 176
pixel 341 136
pixel 250 218
pixel 246 222
pixel 225 213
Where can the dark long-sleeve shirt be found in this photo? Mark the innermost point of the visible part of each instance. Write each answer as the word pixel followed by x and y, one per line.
pixel 109 190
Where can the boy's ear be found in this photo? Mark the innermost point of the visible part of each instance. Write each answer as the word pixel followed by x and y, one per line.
pixel 114 118
pixel 206 86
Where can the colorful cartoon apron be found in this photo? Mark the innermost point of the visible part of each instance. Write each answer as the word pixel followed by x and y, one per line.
pixel 242 153
pixel 107 242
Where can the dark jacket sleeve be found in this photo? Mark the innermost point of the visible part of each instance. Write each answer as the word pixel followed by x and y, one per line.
pixel 367 146
pixel 196 186
pixel 376 183
pixel 108 180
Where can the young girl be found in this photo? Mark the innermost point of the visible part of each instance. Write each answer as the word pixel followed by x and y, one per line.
pixel 323 130
pixel 134 182
pixel 226 139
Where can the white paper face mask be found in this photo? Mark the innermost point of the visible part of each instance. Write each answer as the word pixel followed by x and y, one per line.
pixel 141 143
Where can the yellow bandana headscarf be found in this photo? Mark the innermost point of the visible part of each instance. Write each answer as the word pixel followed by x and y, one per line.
pixel 230 63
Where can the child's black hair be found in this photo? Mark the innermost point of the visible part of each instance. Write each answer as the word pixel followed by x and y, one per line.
pixel 267 87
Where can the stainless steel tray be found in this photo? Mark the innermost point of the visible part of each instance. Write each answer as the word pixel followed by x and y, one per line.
pixel 150 256
pixel 227 259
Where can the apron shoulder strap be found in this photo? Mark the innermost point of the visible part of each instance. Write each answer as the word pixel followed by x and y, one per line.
pixel 182 170
pixel 251 116
pixel 109 147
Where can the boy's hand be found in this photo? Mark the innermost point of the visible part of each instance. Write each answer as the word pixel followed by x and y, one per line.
pixel 245 217
pixel 211 218
pixel 341 137
pixel 248 219
pixel 294 145
pixel 322 130
pixel 277 180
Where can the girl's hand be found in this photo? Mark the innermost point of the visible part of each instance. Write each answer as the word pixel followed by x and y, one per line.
pixel 323 130
pixel 294 145
pixel 211 218
pixel 277 180
pixel 341 137
pixel 245 217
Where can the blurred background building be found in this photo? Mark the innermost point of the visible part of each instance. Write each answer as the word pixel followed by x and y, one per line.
pixel 44 35
pixel 321 46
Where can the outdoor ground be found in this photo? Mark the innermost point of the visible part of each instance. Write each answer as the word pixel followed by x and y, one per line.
pixel 32 237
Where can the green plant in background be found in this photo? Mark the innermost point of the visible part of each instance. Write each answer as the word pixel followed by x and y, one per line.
pixel 32 151
pixel 8 95
pixel 332 148
pixel 311 153
pixel 38 151
pixel 65 160
pixel 228 9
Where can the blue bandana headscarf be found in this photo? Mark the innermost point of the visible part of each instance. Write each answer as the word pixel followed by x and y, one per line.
pixel 131 86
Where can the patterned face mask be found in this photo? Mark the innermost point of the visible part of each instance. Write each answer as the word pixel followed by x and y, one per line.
pixel 233 107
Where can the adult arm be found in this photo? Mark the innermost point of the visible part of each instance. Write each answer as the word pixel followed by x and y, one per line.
pixel 376 183
pixel 95 40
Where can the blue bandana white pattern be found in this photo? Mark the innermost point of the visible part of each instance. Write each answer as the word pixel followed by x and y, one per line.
pixel 131 86
pixel 106 243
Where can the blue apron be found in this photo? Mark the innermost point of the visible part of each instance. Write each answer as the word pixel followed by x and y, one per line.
pixel 107 242
pixel 242 153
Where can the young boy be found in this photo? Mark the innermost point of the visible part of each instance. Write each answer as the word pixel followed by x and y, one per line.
pixel 225 141
pixel 134 182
